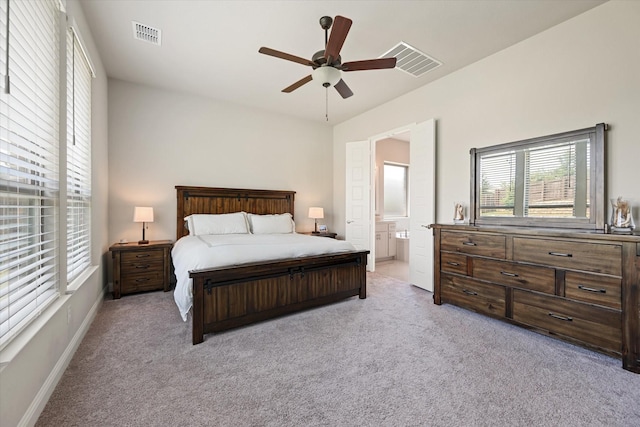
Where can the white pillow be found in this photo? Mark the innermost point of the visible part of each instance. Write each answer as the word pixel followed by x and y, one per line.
pixel 271 224
pixel 232 223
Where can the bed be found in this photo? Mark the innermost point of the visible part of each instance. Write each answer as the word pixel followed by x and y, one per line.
pixel 225 297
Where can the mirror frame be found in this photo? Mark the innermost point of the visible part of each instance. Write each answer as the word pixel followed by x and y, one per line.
pixel 595 221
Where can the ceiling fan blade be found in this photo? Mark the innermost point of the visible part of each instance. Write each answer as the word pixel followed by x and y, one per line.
pixel 297 84
pixel 287 56
pixel 339 31
pixel 370 64
pixel 343 89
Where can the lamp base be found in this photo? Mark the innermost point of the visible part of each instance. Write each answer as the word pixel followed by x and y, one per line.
pixel 143 242
pixel 315 232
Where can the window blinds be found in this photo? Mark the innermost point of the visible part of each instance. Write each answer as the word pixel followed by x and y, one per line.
pixel 78 158
pixel 538 182
pixel 498 184
pixel 29 175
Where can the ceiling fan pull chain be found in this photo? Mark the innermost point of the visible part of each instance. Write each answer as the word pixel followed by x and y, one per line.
pixel 326 108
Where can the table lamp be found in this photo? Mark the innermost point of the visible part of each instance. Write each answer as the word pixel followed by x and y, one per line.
pixel 143 215
pixel 316 213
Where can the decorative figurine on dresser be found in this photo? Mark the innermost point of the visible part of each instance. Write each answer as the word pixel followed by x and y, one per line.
pixel 535 252
pixel 621 216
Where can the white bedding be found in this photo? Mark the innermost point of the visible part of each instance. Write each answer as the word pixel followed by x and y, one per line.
pixel 210 251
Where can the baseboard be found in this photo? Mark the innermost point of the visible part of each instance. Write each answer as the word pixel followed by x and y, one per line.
pixel 40 401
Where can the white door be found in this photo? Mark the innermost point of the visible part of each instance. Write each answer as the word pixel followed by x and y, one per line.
pixel 358 228
pixel 422 203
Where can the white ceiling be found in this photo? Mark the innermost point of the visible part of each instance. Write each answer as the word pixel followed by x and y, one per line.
pixel 210 47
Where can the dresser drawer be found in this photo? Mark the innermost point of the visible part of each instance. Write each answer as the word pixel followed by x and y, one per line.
pixel 597 326
pixel 453 263
pixel 473 243
pixel 480 297
pixel 594 289
pixel 540 279
pixel 596 257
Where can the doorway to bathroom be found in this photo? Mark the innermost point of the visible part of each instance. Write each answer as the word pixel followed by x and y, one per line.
pixel 391 205
pixel 360 222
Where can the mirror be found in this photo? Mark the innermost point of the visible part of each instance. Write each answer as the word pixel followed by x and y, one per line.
pixel 553 181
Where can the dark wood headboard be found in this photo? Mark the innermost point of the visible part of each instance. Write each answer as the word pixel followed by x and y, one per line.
pixel 207 200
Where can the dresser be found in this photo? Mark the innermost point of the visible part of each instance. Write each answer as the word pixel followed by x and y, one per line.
pixel 577 286
pixel 139 268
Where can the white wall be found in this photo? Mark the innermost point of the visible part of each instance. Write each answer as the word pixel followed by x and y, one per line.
pixel 580 73
pixel 160 139
pixel 31 368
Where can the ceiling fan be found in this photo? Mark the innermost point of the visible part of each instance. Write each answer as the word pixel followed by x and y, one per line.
pixel 327 64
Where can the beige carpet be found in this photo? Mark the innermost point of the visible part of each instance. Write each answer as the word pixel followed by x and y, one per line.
pixel 394 359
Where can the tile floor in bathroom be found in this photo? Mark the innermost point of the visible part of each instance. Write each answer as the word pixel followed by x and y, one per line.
pixel 393 268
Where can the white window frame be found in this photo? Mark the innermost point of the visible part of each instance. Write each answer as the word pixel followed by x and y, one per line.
pixel 78 157
pixel 43 221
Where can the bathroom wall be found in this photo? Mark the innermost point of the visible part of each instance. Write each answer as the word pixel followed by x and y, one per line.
pixel 394 151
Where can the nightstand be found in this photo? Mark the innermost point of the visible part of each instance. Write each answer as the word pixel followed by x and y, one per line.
pixel 324 234
pixel 138 268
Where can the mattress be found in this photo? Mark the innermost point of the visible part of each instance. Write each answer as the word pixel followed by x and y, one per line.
pixel 212 251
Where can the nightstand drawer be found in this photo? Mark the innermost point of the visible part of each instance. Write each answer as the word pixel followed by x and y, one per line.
pixel 142 256
pixel 147 281
pixel 132 268
pixel 140 266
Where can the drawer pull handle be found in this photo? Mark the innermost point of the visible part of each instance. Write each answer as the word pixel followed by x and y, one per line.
pixel 142 266
pixel 469 244
pixel 455 264
pixel 143 256
pixel 566 319
pixel 145 279
pixel 468 292
pixel 506 273
pixel 560 254
pixel 585 288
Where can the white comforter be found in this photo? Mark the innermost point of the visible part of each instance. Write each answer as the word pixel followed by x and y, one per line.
pixel 210 251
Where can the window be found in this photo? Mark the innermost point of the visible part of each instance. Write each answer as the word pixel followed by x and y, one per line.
pixel 537 182
pixel 78 158
pixel 552 181
pixel 396 190
pixel 29 162
pixel 39 175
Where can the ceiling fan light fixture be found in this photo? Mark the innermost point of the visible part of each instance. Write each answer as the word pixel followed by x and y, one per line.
pixel 326 75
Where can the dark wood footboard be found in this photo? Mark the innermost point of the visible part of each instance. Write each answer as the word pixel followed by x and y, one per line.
pixel 225 298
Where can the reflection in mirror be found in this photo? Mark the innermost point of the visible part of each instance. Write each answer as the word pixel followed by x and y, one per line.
pixel 552 181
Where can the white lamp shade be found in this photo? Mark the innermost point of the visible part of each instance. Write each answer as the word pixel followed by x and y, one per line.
pixel 326 76
pixel 316 213
pixel 143 214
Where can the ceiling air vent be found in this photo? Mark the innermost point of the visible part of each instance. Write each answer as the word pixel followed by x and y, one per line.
pixel 146 33
pixel 411 60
